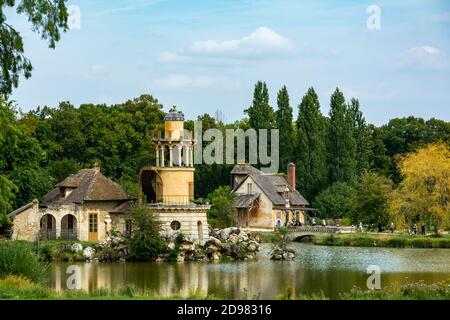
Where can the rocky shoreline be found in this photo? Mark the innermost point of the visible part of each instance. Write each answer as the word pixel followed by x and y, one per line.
pixel 223 244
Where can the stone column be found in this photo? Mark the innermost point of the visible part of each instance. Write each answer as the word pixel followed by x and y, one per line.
pixel 180 148
pixel 58 226
pixel 186 156
pixel 157 156
pixel 162 155
pixel 191 156
pixel 170 156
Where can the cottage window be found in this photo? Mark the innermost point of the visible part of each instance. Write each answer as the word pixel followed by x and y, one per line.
pixel 175 225
pixel 249 187
pixel 93 218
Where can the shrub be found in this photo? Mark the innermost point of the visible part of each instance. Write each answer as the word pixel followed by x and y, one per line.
pixel 146 241
pixel 17 258
pixel 221 214
pixel 18 287
pixel 5 226
pixel 129 290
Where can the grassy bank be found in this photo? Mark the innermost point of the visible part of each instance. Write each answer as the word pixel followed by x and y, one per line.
pixel 414 291
pixel 383 240
pixel 20 288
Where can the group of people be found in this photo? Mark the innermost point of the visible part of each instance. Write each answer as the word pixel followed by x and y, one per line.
pixel 412 230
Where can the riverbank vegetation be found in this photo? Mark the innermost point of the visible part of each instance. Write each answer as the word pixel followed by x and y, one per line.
pixel 412 291
pixel 21 288
pixel 17 258
pixel 383 240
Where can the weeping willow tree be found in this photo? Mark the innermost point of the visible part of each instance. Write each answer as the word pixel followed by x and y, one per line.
pixel 424 193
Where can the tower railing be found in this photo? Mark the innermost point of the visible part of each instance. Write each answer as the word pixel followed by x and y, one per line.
pixel 174 199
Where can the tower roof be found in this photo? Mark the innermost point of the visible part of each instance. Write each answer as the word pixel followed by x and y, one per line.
pixel 174 115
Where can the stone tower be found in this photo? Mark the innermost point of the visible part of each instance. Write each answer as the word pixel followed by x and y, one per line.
pixel 168 186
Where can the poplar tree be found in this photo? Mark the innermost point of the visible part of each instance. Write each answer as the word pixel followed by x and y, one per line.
pixel 361 135
pixel 284 125
pixel 260 113
pixel 311 150
pixel 341 145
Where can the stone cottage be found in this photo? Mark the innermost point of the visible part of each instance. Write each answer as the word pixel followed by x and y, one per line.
pixel 83 206
pixel 262 199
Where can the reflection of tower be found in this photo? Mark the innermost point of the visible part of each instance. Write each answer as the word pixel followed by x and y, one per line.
pixel 168 187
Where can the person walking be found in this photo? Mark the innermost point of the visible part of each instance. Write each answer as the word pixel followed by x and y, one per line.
pixel 423 229
pixel 278 224
pixel 313 221
pixel 415 228
pixel 392 227
pixel 361 226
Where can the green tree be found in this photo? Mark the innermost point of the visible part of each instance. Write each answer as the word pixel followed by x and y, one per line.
pixel 47 17
pixel 341 145
pixel 371 200
pixel 284 125
pixel 311 150
pixel 336 201
pixel 145 241
pixel 260 113
pixel 222 210
pixel 361 135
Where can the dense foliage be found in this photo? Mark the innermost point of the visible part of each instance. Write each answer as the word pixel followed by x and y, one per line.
pixel 17 258
pixel 145 241
pixel 221 214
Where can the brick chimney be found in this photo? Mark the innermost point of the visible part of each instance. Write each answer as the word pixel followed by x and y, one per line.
pixel 291 175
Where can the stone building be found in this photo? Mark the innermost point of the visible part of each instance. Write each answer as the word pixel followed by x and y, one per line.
pixel 263 198
pixel 83 206
pixel 168 187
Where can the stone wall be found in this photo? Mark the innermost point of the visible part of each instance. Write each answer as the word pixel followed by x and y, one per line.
pixel 263 216
pixel 26 224
pixel 194 224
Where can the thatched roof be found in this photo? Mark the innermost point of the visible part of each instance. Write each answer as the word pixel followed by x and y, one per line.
pixel 273 186
pixel 87 185
pixel 244 201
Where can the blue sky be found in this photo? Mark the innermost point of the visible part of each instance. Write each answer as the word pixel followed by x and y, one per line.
pixel 207 55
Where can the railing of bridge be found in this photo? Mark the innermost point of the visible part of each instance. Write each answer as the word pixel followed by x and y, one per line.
pixel 321 229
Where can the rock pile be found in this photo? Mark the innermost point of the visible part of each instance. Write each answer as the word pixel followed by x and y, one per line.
pixel 278 253
pixel 231 243
pixel 228 243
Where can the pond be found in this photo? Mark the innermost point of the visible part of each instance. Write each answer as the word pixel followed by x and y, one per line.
pixel 315 270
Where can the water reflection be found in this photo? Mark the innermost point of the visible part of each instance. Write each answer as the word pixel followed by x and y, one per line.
pixel 330 270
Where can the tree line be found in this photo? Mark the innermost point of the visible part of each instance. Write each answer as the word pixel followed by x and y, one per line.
pixel 335 154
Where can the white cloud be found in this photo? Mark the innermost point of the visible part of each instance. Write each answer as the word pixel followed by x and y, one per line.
pixel 183 81
pixel 442 17
pixel 263 42
pixel 425 57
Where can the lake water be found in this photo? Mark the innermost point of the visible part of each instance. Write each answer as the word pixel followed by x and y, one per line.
pixel 316 269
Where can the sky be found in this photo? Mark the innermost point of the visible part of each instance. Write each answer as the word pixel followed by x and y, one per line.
pixel 203 56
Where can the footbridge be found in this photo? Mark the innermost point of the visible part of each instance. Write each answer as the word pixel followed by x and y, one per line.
pixel 296 232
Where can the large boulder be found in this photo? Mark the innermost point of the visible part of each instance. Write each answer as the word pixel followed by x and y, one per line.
pixel 88 253
pixel 76 247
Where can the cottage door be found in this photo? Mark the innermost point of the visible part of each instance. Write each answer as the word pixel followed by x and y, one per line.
pixel 93 226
